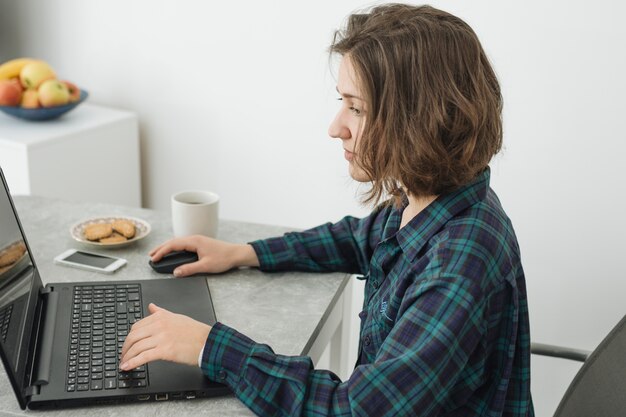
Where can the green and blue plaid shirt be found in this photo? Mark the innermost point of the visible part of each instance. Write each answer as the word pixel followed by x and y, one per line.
pixel 444 327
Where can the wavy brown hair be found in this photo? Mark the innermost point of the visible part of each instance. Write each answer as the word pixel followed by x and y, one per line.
pixel 434 108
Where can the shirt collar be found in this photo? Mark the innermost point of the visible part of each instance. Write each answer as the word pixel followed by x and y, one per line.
pixel 415 234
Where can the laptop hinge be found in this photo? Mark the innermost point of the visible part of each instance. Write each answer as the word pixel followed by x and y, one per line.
pixel 45 290
pixel 32 390
pixel 45 340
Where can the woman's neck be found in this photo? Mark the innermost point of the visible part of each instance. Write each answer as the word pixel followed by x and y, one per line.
pixel 415 206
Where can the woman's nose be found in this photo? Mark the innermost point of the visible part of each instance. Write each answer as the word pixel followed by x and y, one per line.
pixel 339 130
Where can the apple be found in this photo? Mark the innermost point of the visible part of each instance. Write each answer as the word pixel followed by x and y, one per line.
pixel 74 91
pixel 17 82
pixel 10 93
pixel 35 73
pixel 30 99
pixel 53 93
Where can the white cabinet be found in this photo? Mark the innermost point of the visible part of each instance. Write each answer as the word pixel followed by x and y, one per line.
pixel 88 154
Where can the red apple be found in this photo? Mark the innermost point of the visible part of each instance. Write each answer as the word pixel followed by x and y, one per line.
pixel 17 82
pixel 10 93
pixel 74 91
pixel 53 93
pixel 30 99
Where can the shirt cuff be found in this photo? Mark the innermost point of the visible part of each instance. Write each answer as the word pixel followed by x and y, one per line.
pixel 279 253
pixel 264 254
pixel 224 355
pixel 200 356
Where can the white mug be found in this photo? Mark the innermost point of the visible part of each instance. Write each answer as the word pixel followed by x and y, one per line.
pixel 195 213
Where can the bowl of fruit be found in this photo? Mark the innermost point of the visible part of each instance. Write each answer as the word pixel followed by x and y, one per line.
pixel 30 89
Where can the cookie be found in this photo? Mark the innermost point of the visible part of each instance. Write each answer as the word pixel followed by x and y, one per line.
pixel 12 254
pixel 114 238
pixel 98 231
pixel 125 228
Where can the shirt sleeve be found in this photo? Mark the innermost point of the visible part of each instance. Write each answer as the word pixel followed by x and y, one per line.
pixel 414 372
pixel 345 246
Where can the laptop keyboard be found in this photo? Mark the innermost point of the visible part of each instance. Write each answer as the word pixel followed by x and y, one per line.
pixel 101 319
pixel 5 319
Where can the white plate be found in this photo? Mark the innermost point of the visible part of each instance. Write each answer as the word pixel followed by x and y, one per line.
pixel 142 229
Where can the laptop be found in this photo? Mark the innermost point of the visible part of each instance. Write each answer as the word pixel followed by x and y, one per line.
pixel 60 343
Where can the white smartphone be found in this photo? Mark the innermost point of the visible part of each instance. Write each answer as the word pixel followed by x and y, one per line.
pixel 90 261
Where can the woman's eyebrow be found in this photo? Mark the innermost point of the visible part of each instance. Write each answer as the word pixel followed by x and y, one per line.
pixel 348 95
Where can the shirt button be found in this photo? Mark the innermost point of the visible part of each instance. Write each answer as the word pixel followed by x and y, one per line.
pixel 221 375
pixel 375 284
pixel 367 341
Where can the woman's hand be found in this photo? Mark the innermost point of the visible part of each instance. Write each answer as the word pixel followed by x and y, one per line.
pixel 163 335
pixel 214 256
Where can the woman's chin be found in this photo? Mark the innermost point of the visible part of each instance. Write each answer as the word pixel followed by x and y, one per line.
pixel 357 173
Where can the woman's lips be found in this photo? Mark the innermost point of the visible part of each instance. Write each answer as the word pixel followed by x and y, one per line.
pixel 348 155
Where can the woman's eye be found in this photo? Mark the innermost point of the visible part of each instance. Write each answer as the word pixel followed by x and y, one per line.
pixel 352 108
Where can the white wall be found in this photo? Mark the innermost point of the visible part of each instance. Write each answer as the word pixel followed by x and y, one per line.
pixel 236 97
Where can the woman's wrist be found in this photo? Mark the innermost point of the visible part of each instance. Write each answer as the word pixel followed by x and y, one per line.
pixel 245 255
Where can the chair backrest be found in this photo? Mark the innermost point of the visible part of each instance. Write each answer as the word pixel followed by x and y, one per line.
pixel 599 388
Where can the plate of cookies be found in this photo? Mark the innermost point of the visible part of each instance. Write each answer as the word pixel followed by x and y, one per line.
pixel 111 231
pixel 12 256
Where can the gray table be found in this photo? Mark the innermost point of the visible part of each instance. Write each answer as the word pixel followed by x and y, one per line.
pixel 288 311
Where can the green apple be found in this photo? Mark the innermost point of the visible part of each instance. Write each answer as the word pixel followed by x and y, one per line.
pixel 10 93
pixel 53 93
pixel 35 73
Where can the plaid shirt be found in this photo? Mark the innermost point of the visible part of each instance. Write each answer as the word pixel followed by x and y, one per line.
pixel 444 327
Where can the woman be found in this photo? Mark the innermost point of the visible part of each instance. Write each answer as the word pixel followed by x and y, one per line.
pixel 444 328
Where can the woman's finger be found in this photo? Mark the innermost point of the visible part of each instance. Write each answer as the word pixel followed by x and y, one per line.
pixel 190 268
pixel 141 359
pixel 136 334
pixel 137 348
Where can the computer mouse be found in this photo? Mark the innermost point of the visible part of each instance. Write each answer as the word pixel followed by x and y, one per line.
pixel 173 260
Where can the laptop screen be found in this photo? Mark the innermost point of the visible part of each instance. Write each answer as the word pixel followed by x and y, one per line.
pixel 17 278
